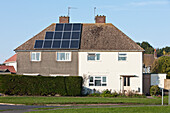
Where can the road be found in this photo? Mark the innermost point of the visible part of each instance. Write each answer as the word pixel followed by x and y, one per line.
pixel 19 108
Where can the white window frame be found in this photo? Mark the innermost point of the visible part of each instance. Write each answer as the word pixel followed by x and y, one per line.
pixel 95 56
pixel 94 78
pixel 35 53
pixel 122 55
pixel 65 58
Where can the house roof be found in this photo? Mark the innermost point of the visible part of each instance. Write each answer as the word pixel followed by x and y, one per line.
pixel 12 59
pixel 10 68
pixel 148 59
pixel 96 36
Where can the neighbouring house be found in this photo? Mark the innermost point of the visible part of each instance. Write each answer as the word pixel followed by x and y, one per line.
pixel 7 69
pixel 148 61
pixel 99 52
pixel 12 62
pixel 150 79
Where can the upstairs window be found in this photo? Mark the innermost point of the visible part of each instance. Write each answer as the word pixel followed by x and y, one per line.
pixel 35 56
pixel 63 56
pixel 122 57
pixel 97 81
pixel 93 56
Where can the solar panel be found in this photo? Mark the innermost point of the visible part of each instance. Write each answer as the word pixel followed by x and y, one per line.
pixel 58 35
pixel 74 44
pixel 77 27
pixel 56 44
pixel 68 27
pixel 65 36
pixel 49 35
pixel 38 43
pixel 65 44
pixel 59 27
pixel 47 44
pixel 75 35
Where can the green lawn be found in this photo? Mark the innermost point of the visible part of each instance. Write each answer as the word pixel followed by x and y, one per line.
pixel 151 109
pixel 30 100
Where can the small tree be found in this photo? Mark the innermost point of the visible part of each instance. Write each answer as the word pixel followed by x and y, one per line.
pixel 154 90
pixel 161 65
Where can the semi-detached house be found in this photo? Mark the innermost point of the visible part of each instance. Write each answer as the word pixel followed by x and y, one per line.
pixel 99 52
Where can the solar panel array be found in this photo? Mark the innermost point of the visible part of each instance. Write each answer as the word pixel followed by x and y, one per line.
pixel 65 36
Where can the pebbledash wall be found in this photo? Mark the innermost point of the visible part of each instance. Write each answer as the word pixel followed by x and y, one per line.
pixel 48 64
pixel 109 66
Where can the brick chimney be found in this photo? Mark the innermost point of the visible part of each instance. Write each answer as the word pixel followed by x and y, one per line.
pixel 64 19
pixel 100 19
pixel 155 54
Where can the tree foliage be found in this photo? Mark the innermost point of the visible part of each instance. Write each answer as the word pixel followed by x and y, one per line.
pixel 150 50
pixel 147 47
pixel 163 51
pixel 161 65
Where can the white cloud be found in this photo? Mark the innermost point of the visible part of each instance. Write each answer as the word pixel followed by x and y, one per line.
pixel 150 3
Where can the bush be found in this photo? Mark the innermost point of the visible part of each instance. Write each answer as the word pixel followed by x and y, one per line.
pixel 154 90
pixel 39 85
pixel 108 93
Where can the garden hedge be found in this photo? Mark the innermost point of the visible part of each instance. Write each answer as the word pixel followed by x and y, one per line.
pixel 40 85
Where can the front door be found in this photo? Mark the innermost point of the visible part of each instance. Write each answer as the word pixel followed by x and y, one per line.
pixel 126 84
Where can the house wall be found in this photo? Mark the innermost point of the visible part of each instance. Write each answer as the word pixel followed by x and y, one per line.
pixel 110 67
pixel 48 64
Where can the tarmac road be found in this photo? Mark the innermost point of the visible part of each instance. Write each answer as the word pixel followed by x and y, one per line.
pixel 19 108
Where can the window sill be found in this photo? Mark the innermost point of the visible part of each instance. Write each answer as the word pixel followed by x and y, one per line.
pixel 97 86
pixel 35 61
pixel 63 60
pixel 93 60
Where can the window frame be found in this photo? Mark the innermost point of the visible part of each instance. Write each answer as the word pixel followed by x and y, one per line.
pixel 102 84
pixel 122 55
pixel 35 60
pixel 96 57
pixel 65 57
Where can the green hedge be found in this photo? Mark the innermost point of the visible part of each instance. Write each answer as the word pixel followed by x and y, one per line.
pixel 40 85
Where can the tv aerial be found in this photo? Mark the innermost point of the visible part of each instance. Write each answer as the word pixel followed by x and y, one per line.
pixel 69 8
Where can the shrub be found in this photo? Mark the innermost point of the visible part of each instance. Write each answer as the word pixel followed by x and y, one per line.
pixel 154 90
pixel 40 85
pixel 108 93
pixel 94 95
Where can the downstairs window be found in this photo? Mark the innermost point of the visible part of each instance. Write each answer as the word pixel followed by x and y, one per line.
pixel 97 81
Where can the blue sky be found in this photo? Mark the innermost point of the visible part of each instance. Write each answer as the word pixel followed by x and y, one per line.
pixel 141 20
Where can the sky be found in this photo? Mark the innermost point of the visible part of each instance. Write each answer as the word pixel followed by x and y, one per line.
pixel 141 20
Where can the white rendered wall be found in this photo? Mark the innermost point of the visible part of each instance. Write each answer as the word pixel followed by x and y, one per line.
pixel 158 79
pixel 12 64
pixel 110 67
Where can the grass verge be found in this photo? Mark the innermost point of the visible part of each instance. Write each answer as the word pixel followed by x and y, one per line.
pixel 148 109
pixel 31 100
